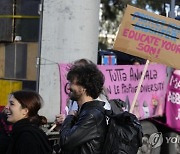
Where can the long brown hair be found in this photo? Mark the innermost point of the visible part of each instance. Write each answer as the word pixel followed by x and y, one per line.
pixel 33 102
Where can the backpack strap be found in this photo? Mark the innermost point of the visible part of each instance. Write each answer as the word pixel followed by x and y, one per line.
pixel 104 111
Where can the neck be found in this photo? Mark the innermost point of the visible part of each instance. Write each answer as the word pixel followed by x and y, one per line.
pixel 84 99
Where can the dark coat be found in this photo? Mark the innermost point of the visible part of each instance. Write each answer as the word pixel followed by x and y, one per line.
pixel 4 133
pixel 27 138
pixel 86 134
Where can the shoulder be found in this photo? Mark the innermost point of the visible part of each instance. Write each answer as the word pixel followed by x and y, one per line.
pixel 26 143
pixel 27 137
pixel 28 133
pixel 92 113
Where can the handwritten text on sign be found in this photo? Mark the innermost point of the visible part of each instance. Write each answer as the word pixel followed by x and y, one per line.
pixel 173 102
pixel 121 82
pixel 150 36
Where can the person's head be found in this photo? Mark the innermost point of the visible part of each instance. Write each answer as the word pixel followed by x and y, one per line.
pixel 23 104
pixel 85 80
pixel 83 61
pixel 137 61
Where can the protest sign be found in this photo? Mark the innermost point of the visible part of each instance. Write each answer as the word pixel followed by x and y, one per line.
pixel 121 82
pixel 149 36
pixel 173 102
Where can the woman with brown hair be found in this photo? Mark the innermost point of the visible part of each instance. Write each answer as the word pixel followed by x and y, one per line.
pixel 26 137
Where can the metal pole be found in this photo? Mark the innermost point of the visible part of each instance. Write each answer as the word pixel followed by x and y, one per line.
pixel 38 60
pixel 70 32
pixel 172 9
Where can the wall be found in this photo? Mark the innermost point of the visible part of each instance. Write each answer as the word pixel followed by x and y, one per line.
pixel 69 32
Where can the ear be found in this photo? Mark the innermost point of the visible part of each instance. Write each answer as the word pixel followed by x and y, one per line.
pixel 83 90
pixel 25 111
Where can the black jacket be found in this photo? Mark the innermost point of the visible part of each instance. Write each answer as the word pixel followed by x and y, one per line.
pixel 27 138
pixel 86 134
pixel 4 133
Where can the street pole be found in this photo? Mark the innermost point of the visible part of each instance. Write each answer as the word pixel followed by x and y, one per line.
pixel 172 9
pixel 38 60
pixel 70 30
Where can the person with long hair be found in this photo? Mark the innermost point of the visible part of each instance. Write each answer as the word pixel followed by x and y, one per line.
pixel 26 136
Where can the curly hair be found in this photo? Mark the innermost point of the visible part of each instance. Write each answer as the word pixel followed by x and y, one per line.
pixel 89 77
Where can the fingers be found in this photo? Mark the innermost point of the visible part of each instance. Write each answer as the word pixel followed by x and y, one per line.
pixel 73 112
pixel 60 118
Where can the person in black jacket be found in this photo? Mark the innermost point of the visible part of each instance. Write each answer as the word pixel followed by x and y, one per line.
pixel 84 132
pixel 26 136
pixel 5 128
pixel 72 105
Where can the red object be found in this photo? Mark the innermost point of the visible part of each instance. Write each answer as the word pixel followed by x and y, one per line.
pixel 1 108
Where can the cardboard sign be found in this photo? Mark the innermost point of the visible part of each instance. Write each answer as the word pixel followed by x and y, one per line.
pixel 149 36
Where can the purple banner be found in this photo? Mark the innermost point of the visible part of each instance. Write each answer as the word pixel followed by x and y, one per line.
pixel 173 102
pixel 121 82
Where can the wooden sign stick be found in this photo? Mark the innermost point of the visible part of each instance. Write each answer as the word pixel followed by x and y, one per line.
pixel 139 87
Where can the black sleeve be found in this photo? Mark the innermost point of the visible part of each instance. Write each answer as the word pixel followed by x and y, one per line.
pixel 73 135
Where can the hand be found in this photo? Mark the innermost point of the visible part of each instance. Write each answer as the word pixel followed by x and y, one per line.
pixel 73 112
pixel 60 118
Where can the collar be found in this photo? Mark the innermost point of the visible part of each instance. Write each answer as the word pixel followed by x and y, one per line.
pixel 92 104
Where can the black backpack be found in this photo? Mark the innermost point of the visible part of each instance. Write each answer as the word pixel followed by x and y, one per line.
pixel 124 134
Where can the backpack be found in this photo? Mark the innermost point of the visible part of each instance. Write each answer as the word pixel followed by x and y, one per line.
pixel 124 134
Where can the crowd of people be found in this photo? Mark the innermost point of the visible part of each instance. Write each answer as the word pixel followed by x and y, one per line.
pixel 82 130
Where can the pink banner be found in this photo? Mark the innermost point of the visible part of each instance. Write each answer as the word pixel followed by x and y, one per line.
pixel 173 102
pixel 121 82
